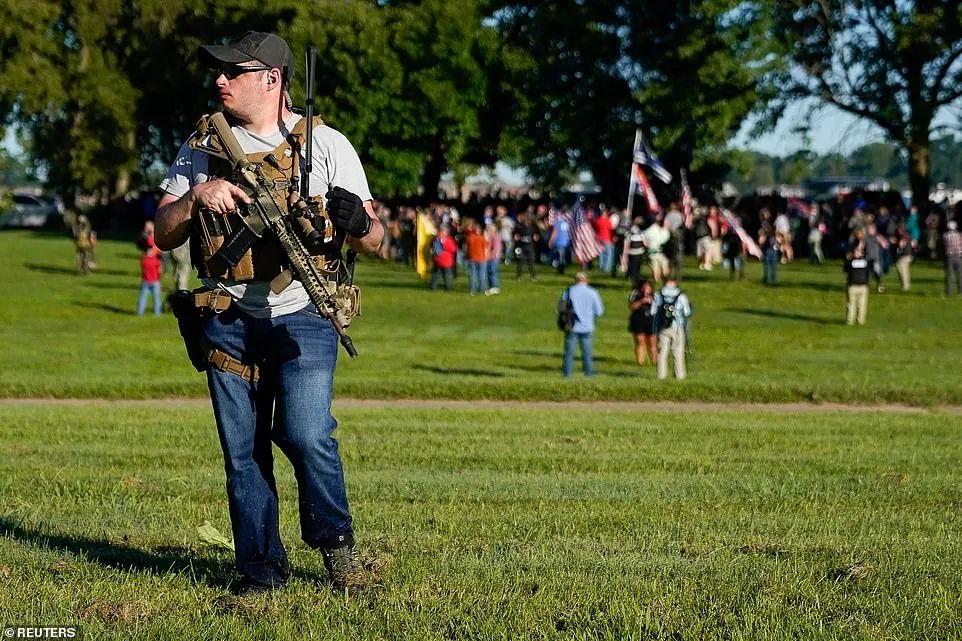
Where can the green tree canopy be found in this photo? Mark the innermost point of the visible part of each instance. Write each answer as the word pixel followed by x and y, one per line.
pixel 104 89
pixel 896 64
pixel 687 73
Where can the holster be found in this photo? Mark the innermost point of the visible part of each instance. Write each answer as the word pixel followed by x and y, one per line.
pixel 189 322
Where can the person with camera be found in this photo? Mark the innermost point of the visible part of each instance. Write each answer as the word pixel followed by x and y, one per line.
pixel 526 239
pixel 857 270
pixel 641 322
pixel 271 354
pixel 584 305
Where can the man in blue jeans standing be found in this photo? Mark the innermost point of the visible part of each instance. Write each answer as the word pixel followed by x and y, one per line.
pixel 270 355
pixel 586 304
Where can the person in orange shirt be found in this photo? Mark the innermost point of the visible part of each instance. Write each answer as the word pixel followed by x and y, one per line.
pixel 477 246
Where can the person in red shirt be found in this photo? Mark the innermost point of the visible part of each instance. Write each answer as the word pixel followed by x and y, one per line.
pixel 150 270
pixel 445 252
pixel 477 250
pixel 603 232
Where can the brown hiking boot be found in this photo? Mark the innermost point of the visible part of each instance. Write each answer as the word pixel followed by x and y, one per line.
pixel 344 567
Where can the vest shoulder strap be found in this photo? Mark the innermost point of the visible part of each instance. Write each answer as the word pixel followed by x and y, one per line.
pixel 300 128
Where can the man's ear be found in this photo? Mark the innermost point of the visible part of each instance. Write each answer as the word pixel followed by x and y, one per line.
pixel 273 77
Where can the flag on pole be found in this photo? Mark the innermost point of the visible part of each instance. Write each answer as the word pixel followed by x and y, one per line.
pixel 686 204
pixel 644 156
pixel 586 246
pixel 748 241
pixel 642 185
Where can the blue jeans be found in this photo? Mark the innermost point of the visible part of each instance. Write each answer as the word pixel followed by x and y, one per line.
pixel 584 341
pixel 447 273
pixel 477 281
pixel 494 273
pixel 770 267
pixel 607 257
pixel 291 406
pixel 153 290
pixel 560 258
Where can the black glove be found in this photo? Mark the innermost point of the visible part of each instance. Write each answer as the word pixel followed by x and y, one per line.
pixel 347 212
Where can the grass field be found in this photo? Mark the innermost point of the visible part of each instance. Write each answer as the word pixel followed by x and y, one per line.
pixel 512 522
pixel 67 336
pixel 502 524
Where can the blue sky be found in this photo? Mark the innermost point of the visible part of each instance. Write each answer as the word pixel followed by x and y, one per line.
pixel 832 131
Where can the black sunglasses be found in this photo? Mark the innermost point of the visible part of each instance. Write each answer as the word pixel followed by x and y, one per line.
pixel 231 71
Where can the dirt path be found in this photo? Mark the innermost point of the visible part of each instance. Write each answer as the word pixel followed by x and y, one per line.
pixel 602 406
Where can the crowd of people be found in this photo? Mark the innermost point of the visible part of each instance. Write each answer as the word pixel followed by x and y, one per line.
pixel 872 233
pixel 774 230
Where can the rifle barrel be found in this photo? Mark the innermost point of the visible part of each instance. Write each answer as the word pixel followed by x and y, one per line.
pixel 310 58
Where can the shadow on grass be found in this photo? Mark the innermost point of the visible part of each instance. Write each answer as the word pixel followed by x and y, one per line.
pixel 557 354
pixel 130 287
pixel 554 366
pixel 459 371
pixel 774 313
pixel 124 311
pixel 214 572
pixel 394 284
pixel 51 269
pixel 839 287
pixel 54 269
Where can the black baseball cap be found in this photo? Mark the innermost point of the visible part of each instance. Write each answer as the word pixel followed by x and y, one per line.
pixel 265 48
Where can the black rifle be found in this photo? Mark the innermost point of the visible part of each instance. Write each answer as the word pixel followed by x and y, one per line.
pixel 309 59
pixel 263 213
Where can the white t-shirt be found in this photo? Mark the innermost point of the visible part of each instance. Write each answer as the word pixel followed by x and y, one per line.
pixel 655 237
pixel 507 229
pixel 782 224
pixel 335 164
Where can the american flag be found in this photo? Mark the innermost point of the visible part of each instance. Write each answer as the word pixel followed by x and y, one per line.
pixel 797 207
pixel 644 156
pixel 586 246
pixel 686 206
pixel 553 215
pixel 748 241
pixel 641 183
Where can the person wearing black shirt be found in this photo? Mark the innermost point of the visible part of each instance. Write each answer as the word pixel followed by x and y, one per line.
pixel 526 239
pixel 732 253
pixel 641 322
pixel 858 269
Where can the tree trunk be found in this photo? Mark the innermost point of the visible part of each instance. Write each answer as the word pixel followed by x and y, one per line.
pixel 121 182
pixel 431 177
pixel 919 180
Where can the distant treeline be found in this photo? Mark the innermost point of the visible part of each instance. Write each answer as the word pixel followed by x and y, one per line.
pixel 752 170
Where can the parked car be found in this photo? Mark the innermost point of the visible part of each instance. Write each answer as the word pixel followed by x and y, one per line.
pixel 38 212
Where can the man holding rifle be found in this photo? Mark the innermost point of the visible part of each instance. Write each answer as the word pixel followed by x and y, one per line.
pixel 268 325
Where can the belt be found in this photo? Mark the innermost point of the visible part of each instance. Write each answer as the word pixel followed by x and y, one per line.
pixel 215 300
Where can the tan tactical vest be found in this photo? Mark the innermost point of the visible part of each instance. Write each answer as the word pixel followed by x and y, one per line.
pixel 265 260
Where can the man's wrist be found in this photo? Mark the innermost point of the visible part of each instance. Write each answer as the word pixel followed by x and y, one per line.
pixel 368 226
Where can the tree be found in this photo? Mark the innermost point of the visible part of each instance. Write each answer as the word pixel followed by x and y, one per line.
pixel 894 63
pixel 796 168
pixel 947 161
pixel 686 72
pixel 101 89
pixel 441 48
pixel 410 83
pixel 874 160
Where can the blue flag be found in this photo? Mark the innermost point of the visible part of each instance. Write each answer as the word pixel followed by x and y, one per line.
pixel 644 156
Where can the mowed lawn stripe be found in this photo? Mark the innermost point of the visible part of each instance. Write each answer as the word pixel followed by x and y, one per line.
pixel 77 337
pixel 502 523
